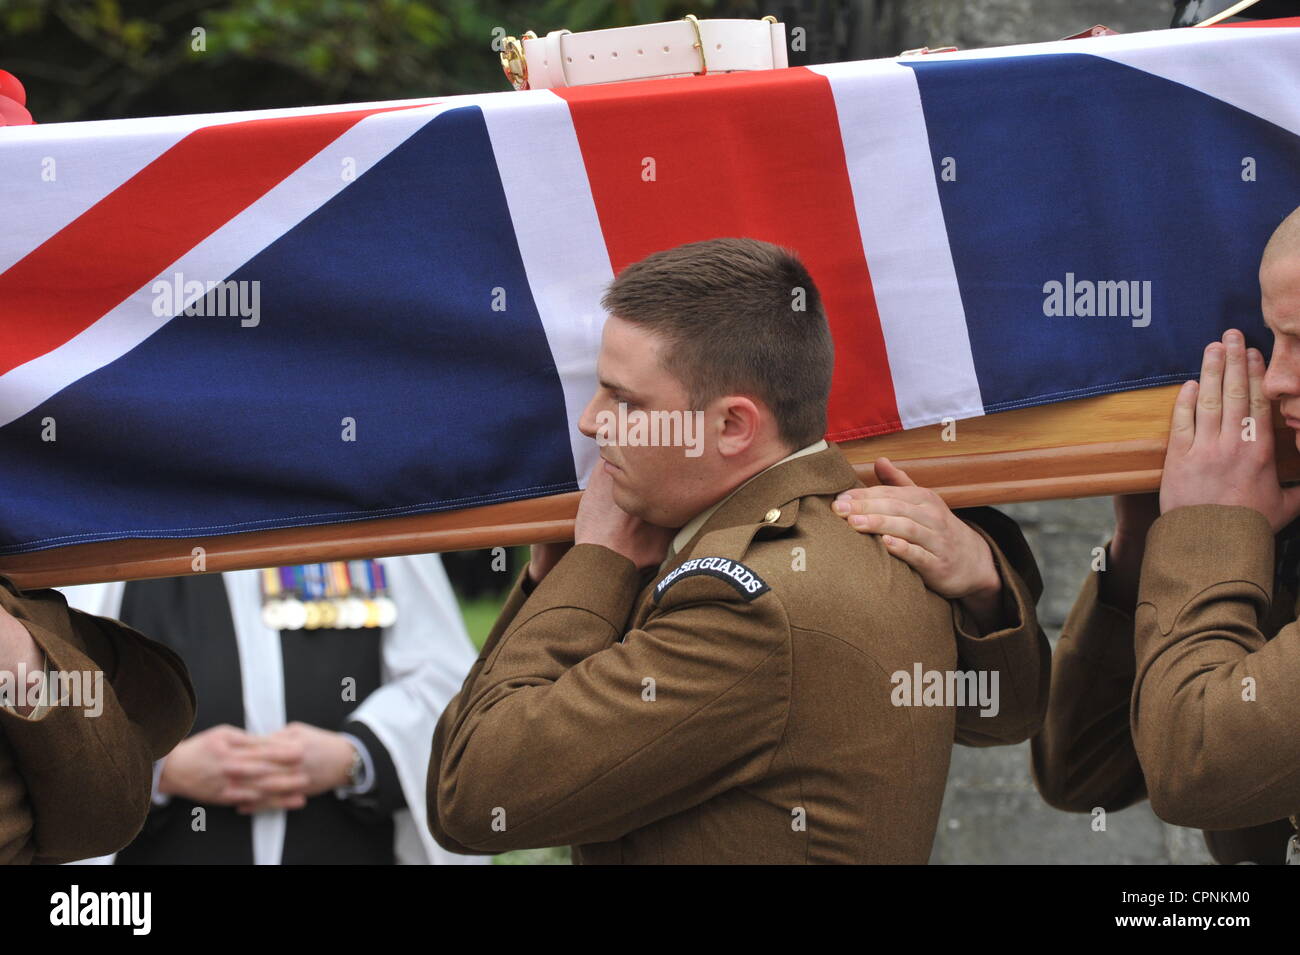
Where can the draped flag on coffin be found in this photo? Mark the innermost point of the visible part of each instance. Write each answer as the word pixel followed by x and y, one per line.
pixel 429 271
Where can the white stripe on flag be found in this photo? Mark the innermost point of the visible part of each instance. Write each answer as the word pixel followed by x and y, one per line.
pixel 124 327
pixel 906 243
pixel 52 174
pixel 560 240
pixel 47 183
pixel 1255 69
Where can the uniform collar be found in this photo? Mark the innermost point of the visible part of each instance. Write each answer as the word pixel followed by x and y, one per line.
pixel 821 468
pixel 691 527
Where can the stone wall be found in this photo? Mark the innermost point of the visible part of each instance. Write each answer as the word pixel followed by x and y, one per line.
pixel 991 812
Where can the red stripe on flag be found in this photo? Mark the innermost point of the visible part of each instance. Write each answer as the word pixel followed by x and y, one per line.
pixel 111 250
pixel 1276 22
pixel 752 155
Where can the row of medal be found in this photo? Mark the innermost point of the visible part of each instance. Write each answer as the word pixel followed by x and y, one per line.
pixel 342 595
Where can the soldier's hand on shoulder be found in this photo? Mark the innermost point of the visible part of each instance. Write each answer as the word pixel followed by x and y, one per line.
pixel 916 526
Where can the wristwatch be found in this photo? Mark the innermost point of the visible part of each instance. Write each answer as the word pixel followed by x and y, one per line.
pixel 355 769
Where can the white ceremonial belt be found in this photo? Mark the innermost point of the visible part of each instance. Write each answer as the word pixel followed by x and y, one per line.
pixel 651 51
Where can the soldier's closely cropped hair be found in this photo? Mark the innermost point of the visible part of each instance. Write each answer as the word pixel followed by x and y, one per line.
pixel 738 316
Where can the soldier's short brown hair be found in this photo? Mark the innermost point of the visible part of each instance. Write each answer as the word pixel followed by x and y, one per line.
pixel 737 316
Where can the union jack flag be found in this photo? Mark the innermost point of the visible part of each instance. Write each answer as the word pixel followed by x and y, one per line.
pixel 195 310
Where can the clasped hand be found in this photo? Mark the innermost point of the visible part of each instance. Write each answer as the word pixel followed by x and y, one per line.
pixel 228 766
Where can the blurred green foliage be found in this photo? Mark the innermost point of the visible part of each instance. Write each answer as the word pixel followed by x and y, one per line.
pixel 101 59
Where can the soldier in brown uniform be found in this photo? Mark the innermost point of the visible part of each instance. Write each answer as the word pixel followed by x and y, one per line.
pixel 1181 683
pixel 75 779
pixel 710 673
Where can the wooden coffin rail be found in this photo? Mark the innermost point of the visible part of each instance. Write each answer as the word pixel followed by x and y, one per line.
pixel 1111 444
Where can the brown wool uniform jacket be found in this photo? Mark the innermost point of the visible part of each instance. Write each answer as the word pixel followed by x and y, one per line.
pixel 1152 703
pixel 730 708
pixel 72 785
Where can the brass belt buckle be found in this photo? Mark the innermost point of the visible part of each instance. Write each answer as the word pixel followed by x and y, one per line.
pixel 513 61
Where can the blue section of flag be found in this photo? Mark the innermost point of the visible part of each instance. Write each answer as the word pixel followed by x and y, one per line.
pixel 1071 164
pixel 378 308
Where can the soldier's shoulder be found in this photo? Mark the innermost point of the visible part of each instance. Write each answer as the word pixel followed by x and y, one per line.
pixel 711 575
pixel 765 555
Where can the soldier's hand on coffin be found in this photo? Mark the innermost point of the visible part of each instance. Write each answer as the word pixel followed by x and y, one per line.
pixel 601 521
pixel 916 526
pixel 1221 438
pixel 228 766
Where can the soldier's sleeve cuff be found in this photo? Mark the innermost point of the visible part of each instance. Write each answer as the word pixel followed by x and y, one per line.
pixel 1190 549
pixel 1099 631
pixel 41 705
pixel 58 653
pixel 1017 572
pixel 594 578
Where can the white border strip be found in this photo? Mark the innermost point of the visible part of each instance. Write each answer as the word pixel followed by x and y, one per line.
pixel 905 241
pixel 560 240
pixel 1255 69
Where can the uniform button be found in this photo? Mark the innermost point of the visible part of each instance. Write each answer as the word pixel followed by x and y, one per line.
pixel 771 516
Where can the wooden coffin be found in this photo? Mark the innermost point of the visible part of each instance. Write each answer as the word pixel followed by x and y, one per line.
pixel 1112 444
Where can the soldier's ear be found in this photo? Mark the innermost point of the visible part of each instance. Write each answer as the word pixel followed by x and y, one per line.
pixel 738 422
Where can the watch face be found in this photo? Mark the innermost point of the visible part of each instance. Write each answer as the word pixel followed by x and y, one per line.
pixel 354 771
